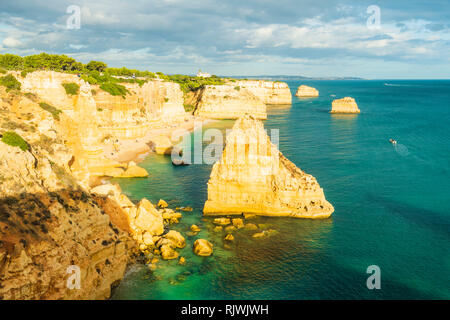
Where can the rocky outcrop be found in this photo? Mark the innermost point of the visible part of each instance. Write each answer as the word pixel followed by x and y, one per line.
pixel 344 105
pixel 252 176
pixel 227 102
pixel 51 228
pixel 203 247
pixel 270 92
pixel 47 85
pixel 143 221
pixel 305 92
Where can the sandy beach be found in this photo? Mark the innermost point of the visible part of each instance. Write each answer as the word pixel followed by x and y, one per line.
pixel 126 150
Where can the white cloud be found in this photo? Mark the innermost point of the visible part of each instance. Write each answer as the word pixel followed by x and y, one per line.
pixel 11 42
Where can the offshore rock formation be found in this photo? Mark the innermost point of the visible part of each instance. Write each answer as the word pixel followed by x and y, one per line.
pixel 270 92
pixel 254 177
pixel 305 91
pixel 227 102
pixel 344 105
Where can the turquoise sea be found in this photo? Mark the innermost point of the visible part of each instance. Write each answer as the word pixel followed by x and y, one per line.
pixel 392 204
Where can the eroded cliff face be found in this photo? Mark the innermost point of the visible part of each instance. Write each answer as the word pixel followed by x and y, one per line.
pixel 52 224
pixel 252 176
pixel 47 85
pixel 48 223
pixel 94 116
pixel 344 105
pixel 305 91
pixel 270 92
pixel 227 102
pixel 129 118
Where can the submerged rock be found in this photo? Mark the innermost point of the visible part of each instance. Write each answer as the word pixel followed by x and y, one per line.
pixel 203 247
pixel 238 223
pixel 252 176
pixel 344 105
pixel 250 226
pixel 222 221
pixel 229 237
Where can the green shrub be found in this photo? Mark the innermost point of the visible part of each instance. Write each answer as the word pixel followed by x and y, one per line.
pixel 11 61
pixel 71 88
pixel 13 139
pixel 33 97
pixel 54 111
pixel 10 82
pixel 188 108
pixel 114 89
pixel 2 70
pixel 237 88
pixel 96 65
pixel 188 83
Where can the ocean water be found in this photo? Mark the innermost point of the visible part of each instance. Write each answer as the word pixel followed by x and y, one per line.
pixel 392 206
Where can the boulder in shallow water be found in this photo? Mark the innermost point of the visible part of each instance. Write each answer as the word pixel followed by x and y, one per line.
pixel 162 203
pixel 222 221
pixel 134 172
pixel 229 237
pixel 168 252
pixel 250 226
pixel 238 223
pixel 176 238
pixel 203 247
pixel 195 228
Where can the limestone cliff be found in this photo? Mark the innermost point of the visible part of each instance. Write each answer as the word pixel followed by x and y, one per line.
pixel 93 116
pixel 252 176
pixel 270 92
pixel 227 102
pixel 344 105
pixel 48 224
pixel 47 85
pixel 305 91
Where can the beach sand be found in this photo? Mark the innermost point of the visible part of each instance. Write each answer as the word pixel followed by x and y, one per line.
pixel 126 150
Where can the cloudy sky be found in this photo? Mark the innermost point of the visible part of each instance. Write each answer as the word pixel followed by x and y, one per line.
pixel 240 37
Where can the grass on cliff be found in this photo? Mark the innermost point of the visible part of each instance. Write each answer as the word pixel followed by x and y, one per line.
pixel 10 82
pixel 13 139
pixel 71 88
pixel 114 89
pixel 54 111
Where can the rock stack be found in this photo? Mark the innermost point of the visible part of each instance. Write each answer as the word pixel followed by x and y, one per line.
pixel 344 105
pixel 306 92
pixel 252 176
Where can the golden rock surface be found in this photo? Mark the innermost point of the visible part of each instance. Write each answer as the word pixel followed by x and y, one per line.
pixel 252 176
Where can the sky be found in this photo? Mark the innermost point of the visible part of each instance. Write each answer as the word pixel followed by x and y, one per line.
pixel 392 39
